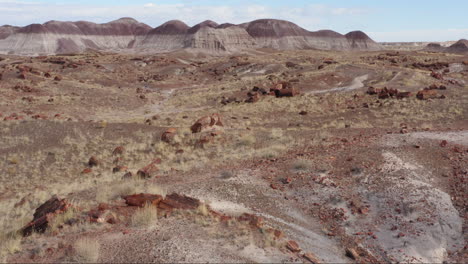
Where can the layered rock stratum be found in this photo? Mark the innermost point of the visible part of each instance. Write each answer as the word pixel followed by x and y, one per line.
pixel 129 35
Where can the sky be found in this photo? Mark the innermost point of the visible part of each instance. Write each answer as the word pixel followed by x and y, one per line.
pixel 382 20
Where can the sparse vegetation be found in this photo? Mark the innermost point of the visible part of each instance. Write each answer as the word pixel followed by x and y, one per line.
pixel 270 158
pixel 10 243
pixel 145 217
pixel 61 219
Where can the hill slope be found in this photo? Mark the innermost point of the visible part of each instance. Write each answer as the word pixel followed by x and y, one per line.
pixel 129 35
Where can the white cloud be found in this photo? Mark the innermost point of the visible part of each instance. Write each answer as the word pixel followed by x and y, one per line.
pixel 23 13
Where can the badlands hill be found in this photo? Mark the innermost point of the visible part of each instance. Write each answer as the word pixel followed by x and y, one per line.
pixel 129 35
pixel 460 47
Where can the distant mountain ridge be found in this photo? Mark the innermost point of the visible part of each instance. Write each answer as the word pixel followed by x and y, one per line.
pixel 129 35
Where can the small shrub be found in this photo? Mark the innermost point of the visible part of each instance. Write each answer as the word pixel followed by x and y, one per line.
pixel 145 217
pixel 226 175
pixel 301 165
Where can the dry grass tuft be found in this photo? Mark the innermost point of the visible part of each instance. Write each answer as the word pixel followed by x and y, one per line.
pixel 61 219
pixel 87 250
pixel 145 217
pixel 203 210
pixel 247 140
pixel 301 165
pixel 10 243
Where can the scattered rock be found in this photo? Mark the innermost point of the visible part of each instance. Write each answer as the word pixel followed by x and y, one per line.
pixel 386 93
pixel 22 76
pixel 290 64
pixel 427 94
pixel 24 88
pixel 168 135
pixel 352 254
pixel 289 92
pixel 255 221
pixel 443 143
pixel 118 151
pixel 207 122
pixel 312 258
pixel 431 66
pixel 142 199
pixel 252 98
pixel 86 171
pixel 44 214
pixel 293 246
pixel 119 169
pixel 93 162
pixel 176 201
pixel 127 175
pixel 149 170
pixel 437 75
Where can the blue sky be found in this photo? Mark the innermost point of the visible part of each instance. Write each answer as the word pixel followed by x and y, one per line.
pixel 396 20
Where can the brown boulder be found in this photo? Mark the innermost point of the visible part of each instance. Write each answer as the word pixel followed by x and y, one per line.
pixel 22 76
pixel 288 92
pixel 93 161
pixel 253 98
pixel 293 246
pixel 436 75
pixel 255 221
pixel 401 95
pixel 207 122
pixel 118 151
pixel 352 254
pixel 119 169
pixel 44 214
pixel 443 143
pixel 427 94
pixel 168 135
pixel 176 201
pixel 200 124
pixel 149 170
pixel 384 94
pixel 142 199
pixel 372 91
